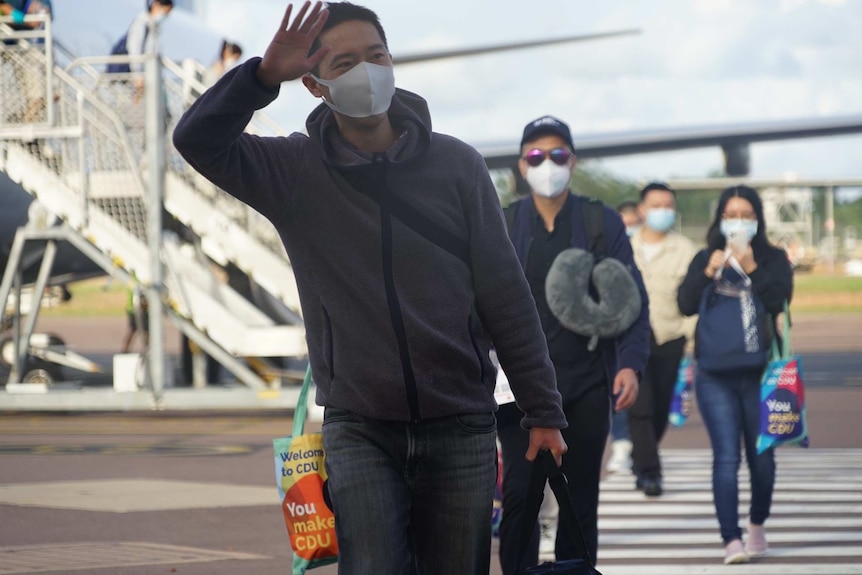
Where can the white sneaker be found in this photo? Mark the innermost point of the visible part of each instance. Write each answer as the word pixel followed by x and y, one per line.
pixel 547 541
pixel 735 553
pixel 756 544
pixel 621 456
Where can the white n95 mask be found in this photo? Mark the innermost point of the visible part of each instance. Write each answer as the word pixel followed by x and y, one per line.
pixel 548 179
pixel 364 90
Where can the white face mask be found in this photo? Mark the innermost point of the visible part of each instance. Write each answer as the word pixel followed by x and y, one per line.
pixel 548 179
pixel 364 90
pixel 230 63
pixel 738 232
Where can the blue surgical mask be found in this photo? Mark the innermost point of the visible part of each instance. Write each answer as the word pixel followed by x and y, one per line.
pixel 738 226
pixel 660 219
pixel 632 230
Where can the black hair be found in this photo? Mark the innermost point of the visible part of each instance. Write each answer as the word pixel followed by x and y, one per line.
pixel 626 206
pixel 656 186
pixel 341 12
pixel 151 3
pixel 714 238
pixel 230 48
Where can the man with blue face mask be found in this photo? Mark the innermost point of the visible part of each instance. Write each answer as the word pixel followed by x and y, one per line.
pixel 663 256
pixel 405 274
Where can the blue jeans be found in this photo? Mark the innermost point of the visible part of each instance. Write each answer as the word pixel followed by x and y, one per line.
pixel 620 425
pixel 411 498
pixel 730 406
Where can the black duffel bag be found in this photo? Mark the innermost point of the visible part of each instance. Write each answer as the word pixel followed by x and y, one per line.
pixel 544 467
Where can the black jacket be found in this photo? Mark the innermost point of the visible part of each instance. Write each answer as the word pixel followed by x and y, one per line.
pixel 772 281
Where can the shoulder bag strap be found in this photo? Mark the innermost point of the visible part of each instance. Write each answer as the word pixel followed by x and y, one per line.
pixel 301 410
pixel 413 219
pixel 510 212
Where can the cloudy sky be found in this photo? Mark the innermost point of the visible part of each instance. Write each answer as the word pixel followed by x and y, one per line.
pixel 695 62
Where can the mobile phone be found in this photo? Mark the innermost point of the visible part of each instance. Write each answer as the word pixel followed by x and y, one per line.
pixel 738 240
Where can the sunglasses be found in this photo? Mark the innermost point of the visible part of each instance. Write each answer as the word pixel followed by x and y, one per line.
pixel 559 156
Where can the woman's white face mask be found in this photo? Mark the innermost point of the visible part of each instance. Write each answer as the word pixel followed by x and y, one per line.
pixel 548 179
pixel 364 90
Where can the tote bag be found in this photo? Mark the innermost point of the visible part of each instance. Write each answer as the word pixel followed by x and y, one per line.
pixel 545 467
pixel 683 395
pixel 301 477
pixel 733 329
pixel 782 398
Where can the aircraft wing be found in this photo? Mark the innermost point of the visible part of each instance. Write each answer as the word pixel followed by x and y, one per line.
pixel 502 156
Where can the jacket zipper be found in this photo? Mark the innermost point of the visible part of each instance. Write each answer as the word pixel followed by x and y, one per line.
pixel 392 296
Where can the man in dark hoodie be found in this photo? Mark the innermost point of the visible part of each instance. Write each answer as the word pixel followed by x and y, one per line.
pixel 406 277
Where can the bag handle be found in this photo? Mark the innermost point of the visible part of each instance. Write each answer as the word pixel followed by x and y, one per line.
pixel 545 467
pixel 301 410
pixel 786 346
pixel 737 267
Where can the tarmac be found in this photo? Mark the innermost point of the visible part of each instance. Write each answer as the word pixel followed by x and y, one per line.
pixel 194 492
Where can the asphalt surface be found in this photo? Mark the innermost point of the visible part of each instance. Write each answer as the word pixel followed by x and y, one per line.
pixel 194 493
pixel 830 346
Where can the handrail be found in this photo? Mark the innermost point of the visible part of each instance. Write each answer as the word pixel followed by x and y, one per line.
pixel 110 59
pixel 110 113
pixel 48 37
pixel 197 86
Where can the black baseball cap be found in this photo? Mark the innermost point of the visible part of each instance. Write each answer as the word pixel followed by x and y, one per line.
pixel 547 125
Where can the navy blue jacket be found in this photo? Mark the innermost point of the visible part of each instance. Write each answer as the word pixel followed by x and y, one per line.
pixel 631 349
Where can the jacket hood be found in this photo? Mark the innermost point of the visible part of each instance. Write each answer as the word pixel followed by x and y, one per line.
pixel 408 112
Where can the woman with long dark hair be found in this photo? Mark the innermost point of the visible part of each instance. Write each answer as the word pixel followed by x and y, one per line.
pixel 729 399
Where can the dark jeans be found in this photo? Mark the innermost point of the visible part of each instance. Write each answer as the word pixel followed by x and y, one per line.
pixel 730 406
pixel 411 498
pixel 648 415
pixel 589 424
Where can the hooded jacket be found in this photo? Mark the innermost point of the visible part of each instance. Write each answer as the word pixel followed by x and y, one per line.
pixel 403 266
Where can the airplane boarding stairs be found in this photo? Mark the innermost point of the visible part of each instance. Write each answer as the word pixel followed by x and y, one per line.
pixel 84 160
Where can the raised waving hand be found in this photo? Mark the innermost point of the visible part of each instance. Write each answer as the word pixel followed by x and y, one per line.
pixel 287 57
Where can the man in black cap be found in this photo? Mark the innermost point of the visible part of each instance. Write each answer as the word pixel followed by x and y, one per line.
pixel 549 221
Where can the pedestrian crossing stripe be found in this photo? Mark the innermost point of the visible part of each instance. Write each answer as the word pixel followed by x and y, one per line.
pixel 713 539
pixel 815 527
pixel 648 506
pixel 671 523
pixel 744 569
pixel 786 452
pixel 677 484
pixel 701 553
pixel 780 496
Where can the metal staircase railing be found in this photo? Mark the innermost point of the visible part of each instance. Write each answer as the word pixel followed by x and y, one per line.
pixel 230 231
pixel 81 154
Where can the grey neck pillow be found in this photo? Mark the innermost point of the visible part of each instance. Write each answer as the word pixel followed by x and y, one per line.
pixel 567 289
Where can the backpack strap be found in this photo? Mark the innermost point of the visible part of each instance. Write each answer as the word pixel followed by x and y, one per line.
pixel 593 214
pixel 510 212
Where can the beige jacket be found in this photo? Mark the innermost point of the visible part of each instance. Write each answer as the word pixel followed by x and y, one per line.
pixel 662 276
